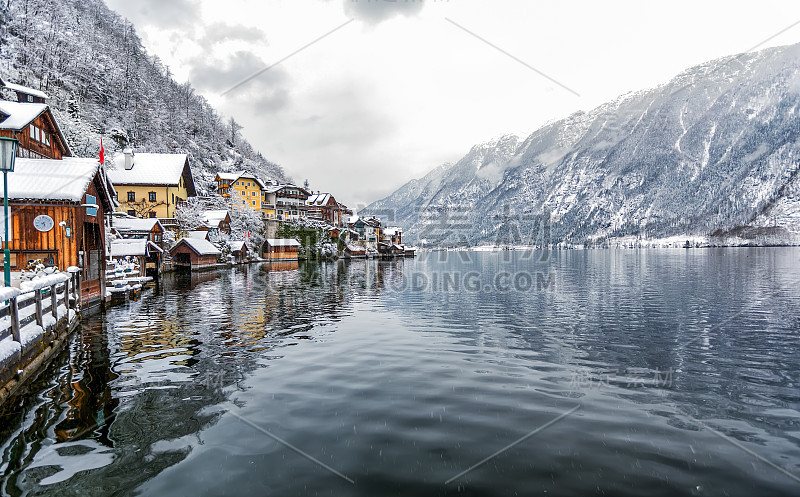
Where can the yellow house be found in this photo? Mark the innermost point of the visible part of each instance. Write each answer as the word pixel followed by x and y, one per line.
pixel 151 185
pixel 247 189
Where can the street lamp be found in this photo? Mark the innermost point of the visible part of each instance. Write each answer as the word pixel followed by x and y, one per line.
pixel 8 152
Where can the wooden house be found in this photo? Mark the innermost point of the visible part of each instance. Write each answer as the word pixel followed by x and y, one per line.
pixel 194 253
pixel 281 249
pixel 393 235
pixel 33 125
pixel 24 93
pixel 323 207
pixel 151 185
pixel 132 227
pixel 146 253
pixel 354 251
pixel 57 210
pixel 238 250
pixel 216 221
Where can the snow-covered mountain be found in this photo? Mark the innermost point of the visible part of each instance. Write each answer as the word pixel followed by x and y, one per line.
pixel 713 151
pixel 103 83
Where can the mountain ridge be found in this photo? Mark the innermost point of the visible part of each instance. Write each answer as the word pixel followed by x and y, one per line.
pixel 712 150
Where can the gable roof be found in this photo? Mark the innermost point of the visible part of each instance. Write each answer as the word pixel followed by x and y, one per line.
pixel 152 169
pixel 25 89
pixel 133 246
pixel 19 114
pixel 319 199
pixel 282 242
pixel 198 245
pixel 136 224
pixel 214 217
pixel 52 179
pixel 237 245
pixel 198 234
pixel 241 174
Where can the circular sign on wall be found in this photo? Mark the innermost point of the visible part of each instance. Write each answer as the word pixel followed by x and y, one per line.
pixel 43 222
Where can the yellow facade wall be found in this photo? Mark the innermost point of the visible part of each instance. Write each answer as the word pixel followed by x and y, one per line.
pixel 166 198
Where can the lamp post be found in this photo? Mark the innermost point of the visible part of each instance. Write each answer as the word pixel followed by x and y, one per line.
pixel 8 152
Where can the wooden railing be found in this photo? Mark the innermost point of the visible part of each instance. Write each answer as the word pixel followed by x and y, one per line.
pixel 39 303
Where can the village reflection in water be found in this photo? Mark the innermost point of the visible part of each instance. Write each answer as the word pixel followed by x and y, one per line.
pixel 152 369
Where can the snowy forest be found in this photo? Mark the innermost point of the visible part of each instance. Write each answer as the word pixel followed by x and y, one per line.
pixel 102 83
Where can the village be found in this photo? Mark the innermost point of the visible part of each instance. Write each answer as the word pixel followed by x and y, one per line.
pixel 81 233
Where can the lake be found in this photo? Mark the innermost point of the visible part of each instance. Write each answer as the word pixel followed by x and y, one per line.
pixel 617 372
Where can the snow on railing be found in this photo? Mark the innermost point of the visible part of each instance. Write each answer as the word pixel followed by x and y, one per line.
pixel 30 313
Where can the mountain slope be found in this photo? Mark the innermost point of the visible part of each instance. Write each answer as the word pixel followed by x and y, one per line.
pixel 102 82
pixel 713 150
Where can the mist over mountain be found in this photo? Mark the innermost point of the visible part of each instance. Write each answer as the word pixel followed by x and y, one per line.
pixel 713 151
pixel 103 83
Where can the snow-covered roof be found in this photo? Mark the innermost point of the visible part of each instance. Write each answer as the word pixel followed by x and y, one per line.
pixel 214 217
pixel 148 169
pixel 355 248
pixel 229 176
pixel 199 245
pixel 136 224
pixel 52 179
pixel 352 219
pixel 282 242
pixel 132 247
pixel 19 114
pixel 24 89
pixel 393 230
pixel 241 174
pixel 197 234
pixel 237 245
pixel 318 199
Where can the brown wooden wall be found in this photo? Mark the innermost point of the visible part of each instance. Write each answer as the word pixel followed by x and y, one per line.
pixel 34 149
pixel 29 243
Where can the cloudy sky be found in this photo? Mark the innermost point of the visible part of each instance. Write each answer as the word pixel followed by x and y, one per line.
pixel 360 96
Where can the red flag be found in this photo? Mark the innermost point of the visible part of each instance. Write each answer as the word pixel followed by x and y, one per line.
pixel 102 152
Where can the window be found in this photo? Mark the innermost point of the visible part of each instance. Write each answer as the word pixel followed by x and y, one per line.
pixel 152 214
pixel 131 196
pixel 254 202
pixel 157 238
pixel 152 196
pixel 30 98
pixel 131 212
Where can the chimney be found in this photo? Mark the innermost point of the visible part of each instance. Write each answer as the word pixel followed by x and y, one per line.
pixel 128 158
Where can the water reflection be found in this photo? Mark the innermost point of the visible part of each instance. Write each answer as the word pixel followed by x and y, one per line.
pixel 398 378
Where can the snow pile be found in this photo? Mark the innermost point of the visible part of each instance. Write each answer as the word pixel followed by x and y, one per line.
pixel 43 281
pixel 7 293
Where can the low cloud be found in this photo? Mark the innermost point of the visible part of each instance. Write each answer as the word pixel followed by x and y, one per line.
pixel 376 11
pixel 161 13
pixel 267 91
pixel 218 33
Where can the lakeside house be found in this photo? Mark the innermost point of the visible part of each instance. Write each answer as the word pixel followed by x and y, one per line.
pixel 324 207
pixel 289 202
pixel 239 251
pixel 129 227
pixel 57 209
pixel 246 187
pixel 216 221
pixel 281 249
pixel 151 185
pixel 194 253
pixel 146 254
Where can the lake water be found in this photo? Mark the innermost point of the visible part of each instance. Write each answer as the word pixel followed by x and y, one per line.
pixel 616 372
